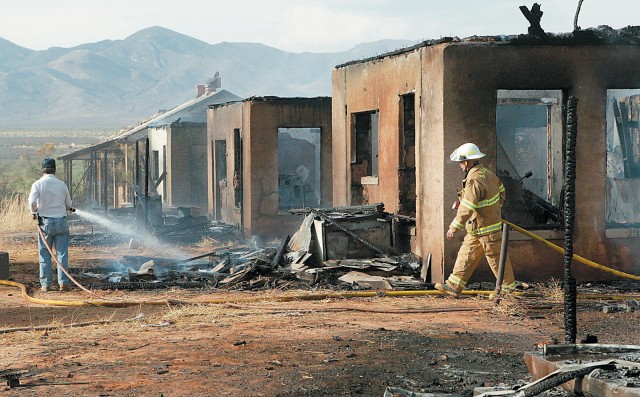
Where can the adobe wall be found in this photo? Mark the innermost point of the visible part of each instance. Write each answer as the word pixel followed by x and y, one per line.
pixel 378 85
pixel 433 204
pixel 157 142
pixel 187 165
pixel 474 72
pixel 364 87
pixel 221 122
pixel 261 159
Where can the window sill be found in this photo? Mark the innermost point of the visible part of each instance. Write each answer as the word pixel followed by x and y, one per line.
pixel 631 232
pixel 369 180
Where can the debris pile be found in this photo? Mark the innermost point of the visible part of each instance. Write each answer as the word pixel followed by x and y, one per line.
pixel 345 248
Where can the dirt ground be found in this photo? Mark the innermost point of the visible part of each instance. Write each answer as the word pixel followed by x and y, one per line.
pixel 253 344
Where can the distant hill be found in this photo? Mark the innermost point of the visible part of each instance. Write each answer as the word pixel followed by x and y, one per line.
pixel 116 83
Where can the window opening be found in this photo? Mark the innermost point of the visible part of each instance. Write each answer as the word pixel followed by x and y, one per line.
pixel 407 169
pixel 237 167
pixel 299 168
pixel 364 152
pixel 623 158
pixel 155 164
pixel 366 142
pixel 529 127
pixel 220 163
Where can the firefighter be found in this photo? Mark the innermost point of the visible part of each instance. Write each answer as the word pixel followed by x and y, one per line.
pixel 479 208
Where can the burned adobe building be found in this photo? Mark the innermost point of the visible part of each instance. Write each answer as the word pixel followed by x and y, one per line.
pixel 162 158
pixel 268 155
pixel 397 117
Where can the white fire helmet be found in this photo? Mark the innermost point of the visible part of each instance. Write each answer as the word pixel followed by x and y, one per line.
pixel 468 151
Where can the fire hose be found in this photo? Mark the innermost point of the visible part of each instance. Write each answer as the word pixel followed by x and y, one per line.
pixel 302 297
pixel 577 258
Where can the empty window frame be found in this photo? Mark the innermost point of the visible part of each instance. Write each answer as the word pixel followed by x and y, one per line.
pixel 299 168
pixel 407 169
pixel 237 167
pixel 155 164
pixel 623 158
pixel 529 128
pixel 365 144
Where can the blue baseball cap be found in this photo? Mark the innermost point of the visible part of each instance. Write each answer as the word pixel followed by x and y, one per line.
pixel 49 163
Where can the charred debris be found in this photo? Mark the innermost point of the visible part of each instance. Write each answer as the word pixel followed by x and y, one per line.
pixel 341 248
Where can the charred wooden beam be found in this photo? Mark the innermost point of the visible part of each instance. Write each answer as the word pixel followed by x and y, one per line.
pixel 208 254
pixel 159 181
pixel 280 252
pixel 534 16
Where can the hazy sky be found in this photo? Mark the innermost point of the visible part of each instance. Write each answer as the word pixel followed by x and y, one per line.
pixel 294 25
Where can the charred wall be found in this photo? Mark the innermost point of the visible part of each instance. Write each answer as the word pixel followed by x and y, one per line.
pixel 383 85
pixel 247 135
pixel 263 191
pixel 585 72
pixel 223 122
pixel 456 89
pixel 361 90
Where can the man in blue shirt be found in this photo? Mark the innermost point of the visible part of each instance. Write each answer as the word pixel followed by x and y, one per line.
pixel 49 201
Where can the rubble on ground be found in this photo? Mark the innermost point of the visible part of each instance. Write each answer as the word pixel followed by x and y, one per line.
pixel 345 248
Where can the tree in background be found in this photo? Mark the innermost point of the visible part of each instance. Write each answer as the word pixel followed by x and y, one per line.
pixel 16 176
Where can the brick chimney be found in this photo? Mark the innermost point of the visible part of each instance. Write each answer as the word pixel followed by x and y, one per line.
pixel 200 90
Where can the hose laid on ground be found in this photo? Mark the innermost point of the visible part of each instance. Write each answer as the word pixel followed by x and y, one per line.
pixel 213 301
pixel 121 303
pixel 281 309
pixel 577 258
pixel 315 296
pixel 288 298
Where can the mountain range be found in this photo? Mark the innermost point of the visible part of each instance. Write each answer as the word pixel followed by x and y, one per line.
pixel 115 83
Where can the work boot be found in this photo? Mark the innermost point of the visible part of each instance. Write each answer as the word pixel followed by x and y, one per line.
pixel 444 287
pixel 64 288
pixel 44 289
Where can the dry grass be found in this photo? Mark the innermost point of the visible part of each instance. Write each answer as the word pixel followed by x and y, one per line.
pixel 552 291
pixel 14 214
pixel 511 305
pixel 170 320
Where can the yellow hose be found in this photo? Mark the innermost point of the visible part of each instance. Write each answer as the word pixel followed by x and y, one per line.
pixel 288 298
pixel 320 296
pixel 577 258
pixel 300 297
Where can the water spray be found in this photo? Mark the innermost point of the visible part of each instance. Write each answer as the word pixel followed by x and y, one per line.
pixel 145 238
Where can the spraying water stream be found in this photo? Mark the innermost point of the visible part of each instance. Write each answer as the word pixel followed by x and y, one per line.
pixel 142 236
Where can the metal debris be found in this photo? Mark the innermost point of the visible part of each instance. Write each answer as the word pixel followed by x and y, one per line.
pixel 12 377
